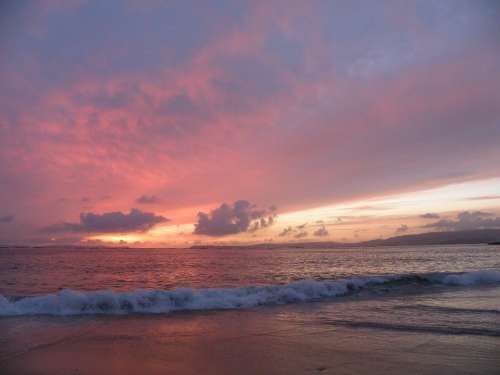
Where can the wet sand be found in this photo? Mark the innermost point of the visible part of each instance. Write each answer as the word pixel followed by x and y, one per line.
pixel 291 339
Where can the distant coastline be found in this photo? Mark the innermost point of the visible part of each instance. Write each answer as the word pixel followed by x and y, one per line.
pixel 465 237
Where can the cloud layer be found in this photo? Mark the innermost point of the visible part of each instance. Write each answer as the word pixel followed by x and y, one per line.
pixel 208 103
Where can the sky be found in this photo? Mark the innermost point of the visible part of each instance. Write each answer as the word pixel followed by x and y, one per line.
pixel 173 123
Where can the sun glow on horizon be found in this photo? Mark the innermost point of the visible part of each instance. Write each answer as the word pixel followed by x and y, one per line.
pixel 348 221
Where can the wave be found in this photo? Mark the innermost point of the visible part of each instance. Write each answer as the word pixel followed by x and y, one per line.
pixel 71 302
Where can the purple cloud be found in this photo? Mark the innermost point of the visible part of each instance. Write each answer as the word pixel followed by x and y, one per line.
pixel 6 219
pixel 111 222
pixel 467 221
pixel 227 219
pixel 147 199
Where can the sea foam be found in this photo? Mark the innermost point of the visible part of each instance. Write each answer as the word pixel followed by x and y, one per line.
pixel 71 302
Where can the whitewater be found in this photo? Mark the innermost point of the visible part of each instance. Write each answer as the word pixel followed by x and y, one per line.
pixel 72 302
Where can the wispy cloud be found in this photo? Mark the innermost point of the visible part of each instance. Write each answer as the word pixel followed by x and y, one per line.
pixel 430 215
pixel 484 198
pixel 403 228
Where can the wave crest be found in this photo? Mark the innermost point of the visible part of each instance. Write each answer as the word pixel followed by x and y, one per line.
pixel 71 302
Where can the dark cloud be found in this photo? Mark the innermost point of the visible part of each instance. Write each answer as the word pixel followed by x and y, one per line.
pixel 109 222
pixel 301 234
pixel 180 105
pixel 286 231
pixel 430 215
pixel 263 222
pixel 402 229
pixel 467 220
pixel 321 232
pixel 6 219
pixel 299 231
pixel 240 217
pixel 147 199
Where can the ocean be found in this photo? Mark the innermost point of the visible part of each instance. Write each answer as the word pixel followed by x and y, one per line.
pixel 439 302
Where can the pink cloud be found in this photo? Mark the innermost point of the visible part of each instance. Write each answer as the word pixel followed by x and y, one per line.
pixel 269 108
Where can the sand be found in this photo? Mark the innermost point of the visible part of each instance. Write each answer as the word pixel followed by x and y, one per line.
pixel 291 339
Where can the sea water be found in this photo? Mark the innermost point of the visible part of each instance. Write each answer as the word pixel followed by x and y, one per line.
pixel 422 309
pixel 73 281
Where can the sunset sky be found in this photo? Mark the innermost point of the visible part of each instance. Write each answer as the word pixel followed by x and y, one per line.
pixel 173 123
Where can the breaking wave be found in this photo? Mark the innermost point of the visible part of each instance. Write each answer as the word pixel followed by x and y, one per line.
pixel 71 302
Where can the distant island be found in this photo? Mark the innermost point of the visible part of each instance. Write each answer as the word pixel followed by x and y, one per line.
pixel 481 236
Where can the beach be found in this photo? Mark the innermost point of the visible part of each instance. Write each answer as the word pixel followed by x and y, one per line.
pixel 348 336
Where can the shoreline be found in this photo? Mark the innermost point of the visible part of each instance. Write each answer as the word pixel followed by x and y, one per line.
pixel 305 338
